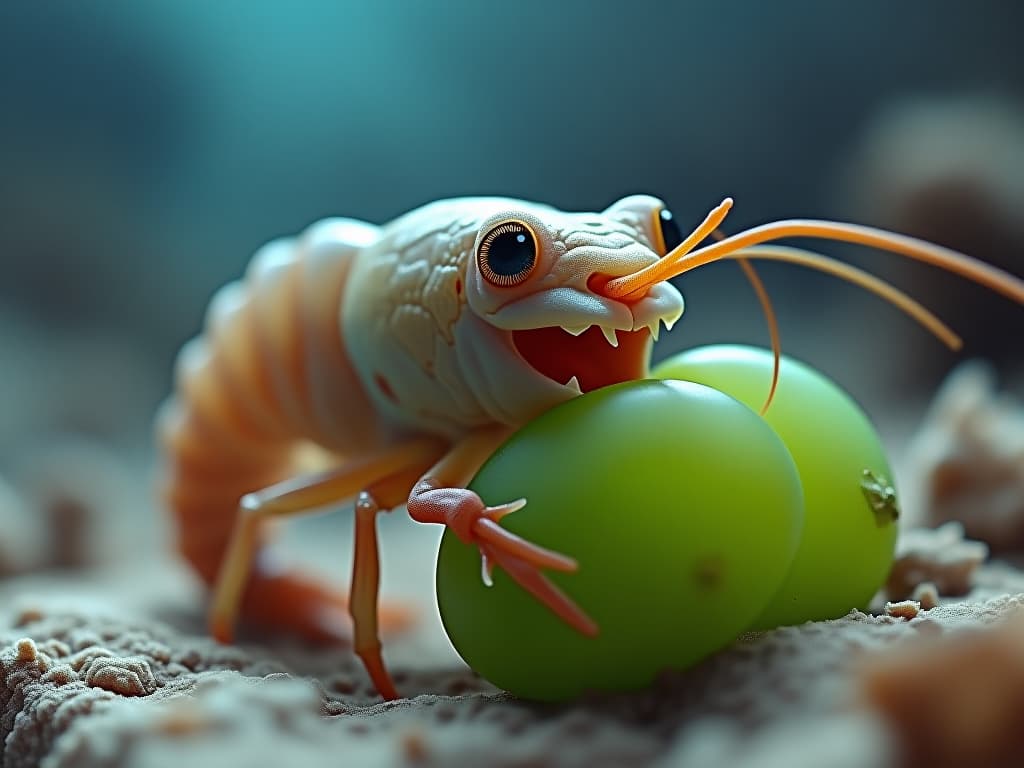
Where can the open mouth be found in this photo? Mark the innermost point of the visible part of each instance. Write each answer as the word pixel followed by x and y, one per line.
pixel 585 361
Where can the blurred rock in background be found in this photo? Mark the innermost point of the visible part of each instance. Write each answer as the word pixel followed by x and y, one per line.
pixel 968 460
pixel 950 169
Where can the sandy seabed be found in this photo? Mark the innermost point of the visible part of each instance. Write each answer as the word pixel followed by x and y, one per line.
pixel 109 665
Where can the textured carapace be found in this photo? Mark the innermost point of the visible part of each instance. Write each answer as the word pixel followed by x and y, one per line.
pixel 440 347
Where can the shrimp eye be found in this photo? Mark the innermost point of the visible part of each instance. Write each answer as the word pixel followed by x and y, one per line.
pixel 507 254
pixel 666 227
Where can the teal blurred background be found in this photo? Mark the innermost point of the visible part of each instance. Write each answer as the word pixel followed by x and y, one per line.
pixel 148 147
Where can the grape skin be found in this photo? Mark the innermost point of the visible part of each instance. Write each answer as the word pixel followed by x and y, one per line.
pixel 683 509
pixel 847 547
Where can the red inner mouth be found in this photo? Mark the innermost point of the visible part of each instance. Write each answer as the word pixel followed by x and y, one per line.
pixel 589 357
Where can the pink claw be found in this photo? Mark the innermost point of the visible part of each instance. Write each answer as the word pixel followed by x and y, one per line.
pixel 474 523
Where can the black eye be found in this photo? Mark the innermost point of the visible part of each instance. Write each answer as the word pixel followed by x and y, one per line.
pixel 507 254
pixel 670 234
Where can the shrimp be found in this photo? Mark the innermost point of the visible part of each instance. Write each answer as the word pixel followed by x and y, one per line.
pixel 408 353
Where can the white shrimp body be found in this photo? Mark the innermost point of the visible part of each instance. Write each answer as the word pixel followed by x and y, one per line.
pixel 352 335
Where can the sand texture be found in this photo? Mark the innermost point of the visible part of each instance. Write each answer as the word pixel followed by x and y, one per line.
pixel 84 690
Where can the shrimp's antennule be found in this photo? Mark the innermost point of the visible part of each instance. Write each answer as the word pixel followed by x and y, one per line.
pixel 844 271
pixel 707 227
pixel 769 317
pixel 746 245
pixel 680 260
pixel 852 274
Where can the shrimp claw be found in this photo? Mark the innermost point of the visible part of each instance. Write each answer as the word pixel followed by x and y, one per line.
pixel 474 523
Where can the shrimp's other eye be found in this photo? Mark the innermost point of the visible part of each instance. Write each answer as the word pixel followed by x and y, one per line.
pixel 665 226
pixel 507 254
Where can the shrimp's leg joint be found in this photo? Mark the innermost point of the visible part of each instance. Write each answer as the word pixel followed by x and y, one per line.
pixel 384 478
pixel 365 590
pixel 437 498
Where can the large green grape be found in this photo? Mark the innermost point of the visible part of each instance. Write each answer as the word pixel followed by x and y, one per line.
pixel 683 509
pixel 849 534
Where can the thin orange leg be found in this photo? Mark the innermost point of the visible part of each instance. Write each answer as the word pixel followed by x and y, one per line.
pixel 363 596
pixel 288 596
pixel 382 496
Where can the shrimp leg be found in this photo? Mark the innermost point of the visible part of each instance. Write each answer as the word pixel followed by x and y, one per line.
pixel 300 496
pixel 382 496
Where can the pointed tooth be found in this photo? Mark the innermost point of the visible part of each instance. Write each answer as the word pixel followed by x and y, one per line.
pixel 609 335
pixel 575 330
pixel 574 385
pixel 655 329
pixel 669 324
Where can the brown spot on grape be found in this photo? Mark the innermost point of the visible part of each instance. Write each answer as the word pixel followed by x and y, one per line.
pixel 385 387
pixel 881 497
pixel 458 287
pixel 709 573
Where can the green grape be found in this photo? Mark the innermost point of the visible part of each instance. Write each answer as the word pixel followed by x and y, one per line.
pixel 683 509
pixel 847 545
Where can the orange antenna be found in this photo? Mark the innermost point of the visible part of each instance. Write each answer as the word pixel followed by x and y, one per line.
pixel 856 276
pixel 769 316
pixel 839 269
pixel 678 261
pixel 640 280
pixel 773 326
pixel 708 226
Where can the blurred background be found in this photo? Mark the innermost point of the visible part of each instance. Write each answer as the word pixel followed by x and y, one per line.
pixel 148 148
